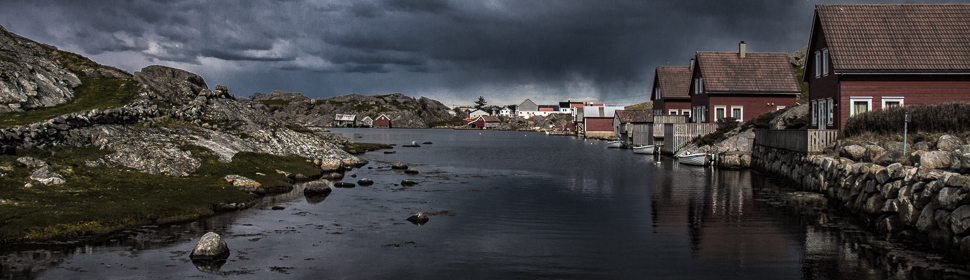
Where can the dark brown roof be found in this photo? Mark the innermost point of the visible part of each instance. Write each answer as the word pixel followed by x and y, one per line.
pixel 724 72
pixel 908 38
pixel 673 81
pixel 635 116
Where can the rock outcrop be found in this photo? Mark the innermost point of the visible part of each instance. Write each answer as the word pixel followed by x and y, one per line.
pixel 404 111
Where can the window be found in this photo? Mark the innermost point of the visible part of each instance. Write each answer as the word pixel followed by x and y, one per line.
pixel 700 82
pixel 736 112
pixel 697 85
pixel 685 112
pixel 860 104
pixel 825 62
pixel 671 111
pixel 719 112
pixel 656 94
pixel 892 101
pixel 831 112
pixel 818 62
pixel 814 109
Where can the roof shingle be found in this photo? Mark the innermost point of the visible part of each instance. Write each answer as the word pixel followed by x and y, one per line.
pixel 673 81
pixel 897 38
pixel 725 72
pixel 635 116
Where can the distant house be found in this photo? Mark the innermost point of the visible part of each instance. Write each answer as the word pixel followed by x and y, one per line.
pixel 867 57
pixel 344 120
pixel 623 121
pixel 505 112
pixel 366 121
pixel 527 109
pixel 598 120
pixel 477 113
pixel 740 85
pixel 670 90
pixel 485 122
pixel 382 121
pixel 566 107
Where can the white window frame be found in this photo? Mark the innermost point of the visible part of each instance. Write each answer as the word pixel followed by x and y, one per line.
pixel 672 111
pixel 741 113
pixel 815 112
pixel 700 82
pixel 854 99
pixel 825 62
pixel 818 62
pixel 656 94
pixel 891 99
pixel 722 107
pixel 831 112
pixel 685 112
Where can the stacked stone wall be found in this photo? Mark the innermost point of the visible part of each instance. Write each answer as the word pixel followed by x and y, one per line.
pixel 929 205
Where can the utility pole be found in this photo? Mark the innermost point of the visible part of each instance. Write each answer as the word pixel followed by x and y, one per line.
pixel 905 131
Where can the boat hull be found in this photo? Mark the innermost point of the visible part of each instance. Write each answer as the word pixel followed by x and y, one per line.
pixel 694 159
pixel 647 149
pixel 615 144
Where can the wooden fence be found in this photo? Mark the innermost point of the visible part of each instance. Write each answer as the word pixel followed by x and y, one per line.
pixel 677 135
pixel 806 141
pixel 660 120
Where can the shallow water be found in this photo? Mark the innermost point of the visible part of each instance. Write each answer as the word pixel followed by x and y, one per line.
pixel 504 205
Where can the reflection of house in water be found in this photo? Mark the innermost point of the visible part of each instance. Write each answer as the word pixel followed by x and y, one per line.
pixel 716 211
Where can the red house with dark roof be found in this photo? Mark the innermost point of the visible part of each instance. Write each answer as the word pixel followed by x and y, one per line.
pixel 485 122
pixel 869 57
pixel 669 93
pixel 740 85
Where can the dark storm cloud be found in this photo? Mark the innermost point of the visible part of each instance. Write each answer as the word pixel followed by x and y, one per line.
pixel 557 48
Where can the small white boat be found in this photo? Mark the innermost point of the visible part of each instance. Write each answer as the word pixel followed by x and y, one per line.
pixel 645 149
pixel 694 159
pixel 614 144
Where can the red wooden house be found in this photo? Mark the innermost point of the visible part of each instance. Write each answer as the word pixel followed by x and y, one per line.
pixel 382 122
pixel 740 85
pixel 868 57
pixel 669 93
pixel 485 122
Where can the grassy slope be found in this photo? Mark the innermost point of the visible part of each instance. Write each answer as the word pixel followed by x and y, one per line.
pixel 98 93
pixel 99 199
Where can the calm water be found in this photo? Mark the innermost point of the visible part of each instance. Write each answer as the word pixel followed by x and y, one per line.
pixel 506 205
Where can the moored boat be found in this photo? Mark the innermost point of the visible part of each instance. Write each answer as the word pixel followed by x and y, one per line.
pixel 694 159
pixel 645 149
pixel 614 144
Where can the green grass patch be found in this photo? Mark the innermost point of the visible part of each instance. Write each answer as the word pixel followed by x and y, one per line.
pixel 298 128
pixel 447 122
pixel 359 148
pixel 93 93
pixel 100 200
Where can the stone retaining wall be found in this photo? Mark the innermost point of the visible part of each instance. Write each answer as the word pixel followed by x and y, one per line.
pixel 928 205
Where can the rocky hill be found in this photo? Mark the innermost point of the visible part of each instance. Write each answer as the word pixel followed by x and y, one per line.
pixel 78 128
pixel 404 111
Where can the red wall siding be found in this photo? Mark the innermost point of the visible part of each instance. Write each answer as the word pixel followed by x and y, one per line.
pixel 914 90
pixel 381 122
pixel 599 124
pixel 826 86
pixel 752 105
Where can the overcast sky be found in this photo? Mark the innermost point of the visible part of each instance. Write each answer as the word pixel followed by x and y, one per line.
pixel 449 50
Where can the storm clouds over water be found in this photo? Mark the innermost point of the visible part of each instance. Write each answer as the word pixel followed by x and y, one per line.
pixel 453 51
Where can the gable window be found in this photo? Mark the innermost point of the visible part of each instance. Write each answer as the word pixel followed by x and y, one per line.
pixel 892 101
pixel 656 94
pixel 860 104
pixel 700 82
pixel 736 112
pixel 825 62
pixel 818 62
pixel 719 112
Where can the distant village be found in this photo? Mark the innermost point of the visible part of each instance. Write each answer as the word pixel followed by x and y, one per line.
pixel 847 71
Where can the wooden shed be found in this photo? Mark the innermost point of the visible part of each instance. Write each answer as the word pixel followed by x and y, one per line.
pixel 382 121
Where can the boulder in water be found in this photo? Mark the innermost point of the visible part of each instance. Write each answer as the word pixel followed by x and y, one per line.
pixel 210 247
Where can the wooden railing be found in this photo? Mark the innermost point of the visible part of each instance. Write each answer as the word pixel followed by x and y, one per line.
pixel 806 141
pixel 660 120
pixel 677 135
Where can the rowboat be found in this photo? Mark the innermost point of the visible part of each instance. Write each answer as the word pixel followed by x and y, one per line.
pixel 614 144
pixel 645 149
pixel 694 159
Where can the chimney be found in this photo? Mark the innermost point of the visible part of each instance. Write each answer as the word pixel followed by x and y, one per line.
pixel 692 64
pixel 741 51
